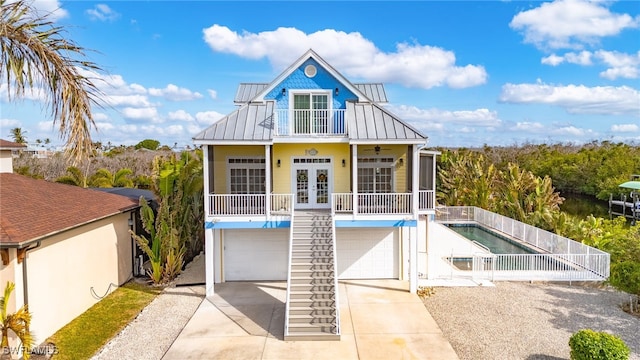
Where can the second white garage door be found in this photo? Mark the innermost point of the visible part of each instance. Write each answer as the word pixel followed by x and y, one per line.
pixel 256 254
pixel 367 253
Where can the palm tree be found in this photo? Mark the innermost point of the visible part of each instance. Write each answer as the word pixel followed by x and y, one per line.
pixel 104 178
pixel 18 135
pixel 17 322
pixel 74 177
pixel 35 54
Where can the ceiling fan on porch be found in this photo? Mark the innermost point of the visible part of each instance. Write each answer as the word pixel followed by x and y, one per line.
pixel 376 149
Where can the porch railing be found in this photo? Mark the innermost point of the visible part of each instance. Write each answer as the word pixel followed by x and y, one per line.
pixel 426 200
pixel 291 122
pixel 372 204
pixel 249 204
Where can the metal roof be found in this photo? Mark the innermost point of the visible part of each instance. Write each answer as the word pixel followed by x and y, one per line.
pixel 374 91
pixel 250 122
pixel 371 122
pixel 247 91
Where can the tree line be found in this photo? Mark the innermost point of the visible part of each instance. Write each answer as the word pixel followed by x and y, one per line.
pixel 520 182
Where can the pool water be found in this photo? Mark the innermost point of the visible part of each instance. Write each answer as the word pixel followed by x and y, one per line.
pixel 495 243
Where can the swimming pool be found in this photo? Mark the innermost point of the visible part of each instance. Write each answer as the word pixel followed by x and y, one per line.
pixel 497 244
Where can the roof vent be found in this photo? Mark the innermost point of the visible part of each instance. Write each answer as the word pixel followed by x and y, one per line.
pixel 310 71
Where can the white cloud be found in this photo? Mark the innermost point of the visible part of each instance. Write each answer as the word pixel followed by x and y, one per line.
pixel 126 100
pixel 175 93
pixel 9 123
pixel 625 128
pixel 102 12
pixel 208 117
pixel 100 116
pixel 34 94
pixel 570 23
pixel 45 125
pixel 146 113
pixel 534 127
pixel 620 65
pixel 478 117
pixel 570 130
pixel 104 126
pixel 180 115
pixel 411 65
pixel 51 7
pixel 577 99
pixel 212 93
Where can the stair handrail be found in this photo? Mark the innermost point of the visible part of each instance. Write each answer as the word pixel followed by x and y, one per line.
pixel 335 273
pixel 287 300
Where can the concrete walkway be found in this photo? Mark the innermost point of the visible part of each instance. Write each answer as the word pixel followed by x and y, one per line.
pixel 380 319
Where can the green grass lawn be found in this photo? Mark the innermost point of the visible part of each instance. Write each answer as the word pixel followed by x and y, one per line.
pixel 86 334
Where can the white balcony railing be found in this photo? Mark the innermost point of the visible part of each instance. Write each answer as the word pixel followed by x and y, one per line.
pixel 372 204
pixel 291 122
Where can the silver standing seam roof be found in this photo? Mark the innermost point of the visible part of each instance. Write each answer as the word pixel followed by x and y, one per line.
pixel 247 91
pixel 367 121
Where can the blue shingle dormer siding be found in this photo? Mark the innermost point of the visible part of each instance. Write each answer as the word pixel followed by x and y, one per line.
pixel 323 80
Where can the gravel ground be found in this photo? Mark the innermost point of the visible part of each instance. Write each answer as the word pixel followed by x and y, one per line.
pixel 516 320
pixel 151 334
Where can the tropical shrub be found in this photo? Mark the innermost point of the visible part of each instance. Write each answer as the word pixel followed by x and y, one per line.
pixel 18 323
pixel 587 344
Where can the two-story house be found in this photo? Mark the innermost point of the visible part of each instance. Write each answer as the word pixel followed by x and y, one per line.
pixel 311 180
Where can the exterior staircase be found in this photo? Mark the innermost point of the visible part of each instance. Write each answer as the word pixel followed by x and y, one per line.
pixel 312 311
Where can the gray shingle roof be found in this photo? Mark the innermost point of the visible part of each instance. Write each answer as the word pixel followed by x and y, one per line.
pixel 250 122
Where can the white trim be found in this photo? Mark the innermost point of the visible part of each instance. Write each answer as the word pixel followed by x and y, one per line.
pixel 229 166
pixel 311 167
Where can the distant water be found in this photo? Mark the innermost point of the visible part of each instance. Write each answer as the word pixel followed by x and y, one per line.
pixel 583 206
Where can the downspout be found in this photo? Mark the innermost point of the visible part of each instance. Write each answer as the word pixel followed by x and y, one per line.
pixel 132 230
pixel 25 287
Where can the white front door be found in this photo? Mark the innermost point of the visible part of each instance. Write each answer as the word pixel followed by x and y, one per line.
pixel 312 183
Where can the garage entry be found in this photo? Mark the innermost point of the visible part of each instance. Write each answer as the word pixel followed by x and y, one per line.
pixel 256 254
pixel 367 253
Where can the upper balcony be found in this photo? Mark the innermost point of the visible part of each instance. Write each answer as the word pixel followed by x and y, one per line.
pixel 317 123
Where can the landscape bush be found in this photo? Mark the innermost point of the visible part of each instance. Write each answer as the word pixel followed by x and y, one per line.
pixel 587 344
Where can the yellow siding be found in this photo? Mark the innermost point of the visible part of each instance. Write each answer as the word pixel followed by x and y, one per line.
pixel 397 152
pixel 286 153
pixel 223 152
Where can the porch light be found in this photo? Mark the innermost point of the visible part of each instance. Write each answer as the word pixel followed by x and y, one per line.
pixel 279 159
pixel 284 91
pixel 337 91
pixel 344 162
pixel 401 161
pixel 377 149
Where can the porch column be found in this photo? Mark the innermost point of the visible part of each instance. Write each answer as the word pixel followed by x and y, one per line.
pixel 354 177
pixel 209 264
pixel 206 184
pixel 413 259
pixel 267 185
pixel 415 181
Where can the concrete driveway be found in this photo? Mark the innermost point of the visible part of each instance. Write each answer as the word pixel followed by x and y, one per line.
pixel 379 319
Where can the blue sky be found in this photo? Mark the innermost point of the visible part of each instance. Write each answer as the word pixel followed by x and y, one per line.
pixel 464 73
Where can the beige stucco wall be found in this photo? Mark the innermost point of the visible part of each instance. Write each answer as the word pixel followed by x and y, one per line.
pixel 64 269
pixel 6 161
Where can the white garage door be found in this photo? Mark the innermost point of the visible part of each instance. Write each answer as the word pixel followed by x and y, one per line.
pixel 367 253
pixel 256 254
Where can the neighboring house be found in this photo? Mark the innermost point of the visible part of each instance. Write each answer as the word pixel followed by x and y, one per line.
pixel 6 157
pixel 63 246
pixel 311 177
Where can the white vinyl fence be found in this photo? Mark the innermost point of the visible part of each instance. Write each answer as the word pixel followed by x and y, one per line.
pixel 559 258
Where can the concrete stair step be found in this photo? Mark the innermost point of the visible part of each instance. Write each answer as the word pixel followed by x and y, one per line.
pixel 310 336
pixel 322 303
pixel 305 310
pixel 310 287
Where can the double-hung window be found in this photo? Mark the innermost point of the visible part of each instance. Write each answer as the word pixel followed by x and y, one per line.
pixel 247 175
pixel 375 175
